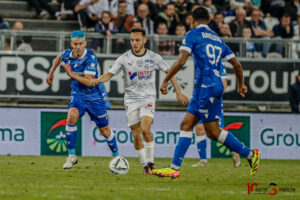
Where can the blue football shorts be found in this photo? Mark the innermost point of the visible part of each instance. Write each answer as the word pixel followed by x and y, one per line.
pixel 95 108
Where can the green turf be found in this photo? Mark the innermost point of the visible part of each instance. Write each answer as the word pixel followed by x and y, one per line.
pixel 43 178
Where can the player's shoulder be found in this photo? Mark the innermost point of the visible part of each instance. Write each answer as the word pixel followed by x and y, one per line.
pixel 66 53
pixel 152 54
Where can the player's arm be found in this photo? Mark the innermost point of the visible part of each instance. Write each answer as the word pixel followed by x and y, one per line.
pixel 85 80
pixel 242 89
pixel 50 75
pixel 177 65
pixel 105 77
pixel 184 100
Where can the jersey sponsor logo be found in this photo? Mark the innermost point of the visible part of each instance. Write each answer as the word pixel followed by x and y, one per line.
pixel 132 75
pixel 149 61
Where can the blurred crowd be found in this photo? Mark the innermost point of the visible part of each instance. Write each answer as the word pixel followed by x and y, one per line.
pixel 267 19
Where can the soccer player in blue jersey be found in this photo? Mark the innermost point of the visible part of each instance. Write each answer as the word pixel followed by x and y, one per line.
pixel 80 64
pixel 208 50
pixel 200 132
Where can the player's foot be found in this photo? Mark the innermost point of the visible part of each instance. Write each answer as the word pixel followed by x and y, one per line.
pixel 152 166
pixel 236 159
pixel 201 163
pixel 71 160
pixel 167 172
pixel 147 170
pixel 254 161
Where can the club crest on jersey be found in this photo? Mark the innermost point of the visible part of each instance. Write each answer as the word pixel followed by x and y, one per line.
pixel 139 63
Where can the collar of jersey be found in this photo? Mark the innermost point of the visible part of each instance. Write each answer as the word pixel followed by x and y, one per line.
pixel 84 53
pixel 139 55
pixel 202 26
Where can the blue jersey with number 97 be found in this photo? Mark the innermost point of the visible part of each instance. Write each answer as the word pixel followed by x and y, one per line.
pixel 208 50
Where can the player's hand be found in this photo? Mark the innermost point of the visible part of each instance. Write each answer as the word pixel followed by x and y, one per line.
pixel 93 82
pixel 184 100
pixel 163 88
pixel 67 68
pixel 49 79
pixel 243 90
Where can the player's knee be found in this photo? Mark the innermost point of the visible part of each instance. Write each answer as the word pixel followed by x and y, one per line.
pixel 105 131
pixel 200 130
pixel 185 126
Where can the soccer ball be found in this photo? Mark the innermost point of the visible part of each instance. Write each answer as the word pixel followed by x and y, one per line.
pixel 119 165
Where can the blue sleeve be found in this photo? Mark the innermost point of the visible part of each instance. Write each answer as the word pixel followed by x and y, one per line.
pixel 65 55
pixel 188 42
pixel 227 53
pixel 223 72
pixel 91 65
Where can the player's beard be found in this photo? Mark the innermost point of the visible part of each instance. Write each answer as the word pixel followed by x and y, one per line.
pixel 139 50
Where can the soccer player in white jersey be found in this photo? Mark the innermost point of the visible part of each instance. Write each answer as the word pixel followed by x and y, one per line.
pixel 139 65
pixel 81 66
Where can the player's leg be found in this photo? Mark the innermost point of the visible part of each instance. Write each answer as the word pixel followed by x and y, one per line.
pixel 201 145
pixel 110 139
pixel 134 122
pixel 185 139
pixel 139 146
pixel 147 116
pixel 232 143
pixel 71 135
pixel 98 113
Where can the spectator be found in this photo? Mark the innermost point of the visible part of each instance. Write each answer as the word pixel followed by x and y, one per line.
pixel 124 23
pixel 283 30
pixel 123 20
pixel 180 31
pixel 25 44
pixel 180 10
pixel 89 12
pixel 18 26
pixel 221 5
pixel 167 17
pixel 276 8
pixel 7 45
pixel 209 7
pixel 295 95
pixel 151 7
pixel 216 23
pixel 239 23
pixel 41 8
pixel 114 6
pixel 160 6
pixel 260 31
pixel 137 24
pixel 165 47
pixel 69 5
pixel 188 22
pixel 106 27
pixel 238 4
pixel 293 8
pixel 250 47
pixel 3 24
pixel 225 30
pixel 144 19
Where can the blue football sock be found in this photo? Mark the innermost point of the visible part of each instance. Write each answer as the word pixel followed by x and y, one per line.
pixel 201 144
pixel 233 144
pixel 182 146
pixel 112 143
pixel 71 135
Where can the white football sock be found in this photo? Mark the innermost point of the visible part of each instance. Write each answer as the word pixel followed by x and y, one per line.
pixel 149 146
pixel 142 156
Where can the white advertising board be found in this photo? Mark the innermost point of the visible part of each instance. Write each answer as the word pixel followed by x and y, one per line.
pixel 19 131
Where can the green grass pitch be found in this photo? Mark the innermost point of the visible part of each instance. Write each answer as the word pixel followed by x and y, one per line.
pixel 42 177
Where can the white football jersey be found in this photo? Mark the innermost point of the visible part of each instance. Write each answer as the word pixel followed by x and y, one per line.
pixel 139 74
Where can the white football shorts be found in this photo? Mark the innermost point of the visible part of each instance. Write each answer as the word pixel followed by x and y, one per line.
pixel 135 111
